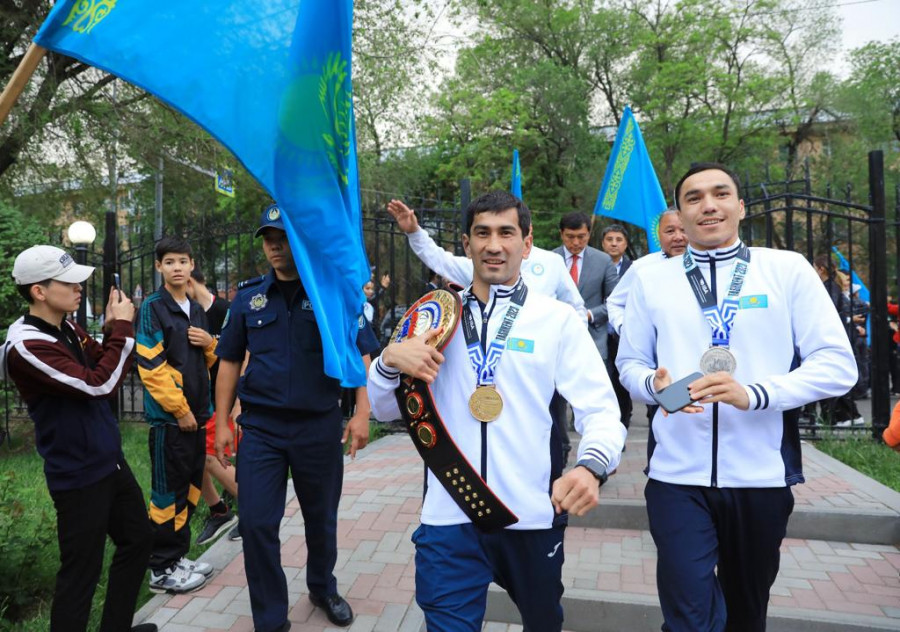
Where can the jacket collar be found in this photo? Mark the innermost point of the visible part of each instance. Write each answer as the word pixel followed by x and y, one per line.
pixel 719 256
pixel 171 303
pixel 499 294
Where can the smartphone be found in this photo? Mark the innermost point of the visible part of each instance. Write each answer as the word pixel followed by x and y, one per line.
pixel 676 396
pixel 117 283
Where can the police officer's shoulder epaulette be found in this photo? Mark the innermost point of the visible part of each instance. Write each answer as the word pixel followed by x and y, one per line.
pixel 251 282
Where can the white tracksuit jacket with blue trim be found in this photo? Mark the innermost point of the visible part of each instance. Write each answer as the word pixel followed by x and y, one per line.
pixel 556 352
pixel 785 318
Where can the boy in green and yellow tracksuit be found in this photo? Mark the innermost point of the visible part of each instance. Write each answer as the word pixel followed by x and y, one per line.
pixel 174 353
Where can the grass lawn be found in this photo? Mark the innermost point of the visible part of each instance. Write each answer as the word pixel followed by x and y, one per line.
pixel 29 556
pixel 872 458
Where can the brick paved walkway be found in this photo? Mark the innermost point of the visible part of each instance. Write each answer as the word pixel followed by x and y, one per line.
pixel 827 581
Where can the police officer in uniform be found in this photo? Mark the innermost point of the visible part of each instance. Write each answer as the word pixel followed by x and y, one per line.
pixel 291 420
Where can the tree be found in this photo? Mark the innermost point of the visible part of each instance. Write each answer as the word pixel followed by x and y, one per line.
pixel 706 79
pixel 871 93
pixel 61 86
pixel 17 232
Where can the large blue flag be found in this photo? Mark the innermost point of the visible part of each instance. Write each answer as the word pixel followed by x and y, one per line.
pixel 271 81
pixel 630 190
pixel 516 188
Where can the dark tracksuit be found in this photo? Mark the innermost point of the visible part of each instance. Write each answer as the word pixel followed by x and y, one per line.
pixel 65 378
pixel 291 422
pixel 175 375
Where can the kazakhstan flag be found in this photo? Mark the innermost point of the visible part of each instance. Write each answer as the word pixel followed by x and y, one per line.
pixel 516 188
pixel 271 81
pixel 630 191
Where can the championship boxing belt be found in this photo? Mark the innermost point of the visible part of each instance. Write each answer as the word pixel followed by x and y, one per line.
pixel 442 309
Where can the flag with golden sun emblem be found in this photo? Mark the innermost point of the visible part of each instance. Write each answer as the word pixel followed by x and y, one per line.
pixel 272 81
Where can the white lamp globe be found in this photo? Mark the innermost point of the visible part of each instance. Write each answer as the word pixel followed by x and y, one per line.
pixel 82 233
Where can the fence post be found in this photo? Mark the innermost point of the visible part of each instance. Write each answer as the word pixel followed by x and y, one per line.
pixel 881 400
pixel 465 198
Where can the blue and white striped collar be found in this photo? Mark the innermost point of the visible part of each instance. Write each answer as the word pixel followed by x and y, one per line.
pixel 720 255
pixel 497 292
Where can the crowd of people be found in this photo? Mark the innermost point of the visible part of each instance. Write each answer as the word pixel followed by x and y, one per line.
pixel 549 338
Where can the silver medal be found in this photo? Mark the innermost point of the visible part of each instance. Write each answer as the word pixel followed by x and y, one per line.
pixel 717 359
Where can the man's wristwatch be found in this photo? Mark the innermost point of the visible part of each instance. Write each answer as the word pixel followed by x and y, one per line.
pixel 594 467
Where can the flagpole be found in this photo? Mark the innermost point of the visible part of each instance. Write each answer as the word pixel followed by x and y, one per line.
pixel 20 77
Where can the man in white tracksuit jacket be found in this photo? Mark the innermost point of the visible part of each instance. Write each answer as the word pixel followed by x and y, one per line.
pixel 720 470
pixel 517 454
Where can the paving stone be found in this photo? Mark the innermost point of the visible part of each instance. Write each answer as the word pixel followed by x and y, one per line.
pixel 376 571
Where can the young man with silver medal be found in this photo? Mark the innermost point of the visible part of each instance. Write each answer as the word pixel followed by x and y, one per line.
pixel 719 497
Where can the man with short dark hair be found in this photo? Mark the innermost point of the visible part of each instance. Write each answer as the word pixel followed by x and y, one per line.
pixel 66 378
pixel 542 270
pixel 592 270
pixel 614 241
pixel 720 471
pixel 508 354
pixel 594 274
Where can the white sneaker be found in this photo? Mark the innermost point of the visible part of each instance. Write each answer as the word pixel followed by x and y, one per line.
pixel 843 424
pixel 859 421
pixel 194 567
pixel 175 580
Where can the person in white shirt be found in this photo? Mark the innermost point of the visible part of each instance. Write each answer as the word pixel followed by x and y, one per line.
pixel 719 497
pixel 542 270
pixel 516 454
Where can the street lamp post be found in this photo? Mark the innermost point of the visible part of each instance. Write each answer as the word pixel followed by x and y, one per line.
pixel 82 234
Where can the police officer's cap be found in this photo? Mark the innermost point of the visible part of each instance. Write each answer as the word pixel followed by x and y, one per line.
pixel 271 217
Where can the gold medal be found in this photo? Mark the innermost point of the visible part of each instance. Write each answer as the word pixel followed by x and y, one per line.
pixel 485 404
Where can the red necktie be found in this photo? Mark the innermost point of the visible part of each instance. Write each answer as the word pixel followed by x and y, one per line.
pixel 574 269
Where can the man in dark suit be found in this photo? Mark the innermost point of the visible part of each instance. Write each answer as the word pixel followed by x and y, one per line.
pixel 595 276
pixel 615 243
pixel 593 272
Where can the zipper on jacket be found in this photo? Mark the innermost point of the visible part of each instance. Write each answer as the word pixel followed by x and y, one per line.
pixel 485 318
pixel 714 470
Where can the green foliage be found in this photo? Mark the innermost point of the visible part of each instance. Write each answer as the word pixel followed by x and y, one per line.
pixel 872 458
pixel 28 549
pixel 27 539
pixel 17 232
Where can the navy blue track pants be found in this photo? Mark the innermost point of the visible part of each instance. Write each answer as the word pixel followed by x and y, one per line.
pixel 718 553
pixel 456 563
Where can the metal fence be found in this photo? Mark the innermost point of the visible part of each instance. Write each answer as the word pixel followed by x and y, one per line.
pixel 783 215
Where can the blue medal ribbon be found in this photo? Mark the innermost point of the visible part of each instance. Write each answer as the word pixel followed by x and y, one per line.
pixel 485 363
pixel 720 319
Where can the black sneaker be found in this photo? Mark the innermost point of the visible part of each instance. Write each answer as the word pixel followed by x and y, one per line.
pixel 216 525
pixel 235 534
pixel 145 627
pixel 336 608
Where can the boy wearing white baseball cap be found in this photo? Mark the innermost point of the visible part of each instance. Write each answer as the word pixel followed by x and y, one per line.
pixel 65 377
